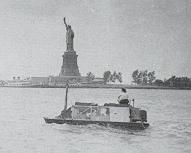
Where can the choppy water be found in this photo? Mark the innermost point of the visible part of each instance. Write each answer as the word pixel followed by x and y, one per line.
pixel 22 129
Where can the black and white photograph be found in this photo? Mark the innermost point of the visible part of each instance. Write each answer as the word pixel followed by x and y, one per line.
pixel 95 76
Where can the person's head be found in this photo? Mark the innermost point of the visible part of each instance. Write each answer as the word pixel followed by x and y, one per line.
pixel 123 90
pixel 69 26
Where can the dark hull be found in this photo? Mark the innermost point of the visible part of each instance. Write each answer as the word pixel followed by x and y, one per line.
pixel 121 125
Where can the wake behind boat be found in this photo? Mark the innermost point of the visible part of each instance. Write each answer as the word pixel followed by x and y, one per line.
pixel 124 116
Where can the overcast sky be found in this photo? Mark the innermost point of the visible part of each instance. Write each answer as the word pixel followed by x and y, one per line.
pixel 121 35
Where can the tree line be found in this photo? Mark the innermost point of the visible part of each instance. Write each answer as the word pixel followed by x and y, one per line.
pixel 177 82
pixel 108 76
pixel 144 77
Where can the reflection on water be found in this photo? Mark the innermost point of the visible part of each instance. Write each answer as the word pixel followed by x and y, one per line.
pixel 23 130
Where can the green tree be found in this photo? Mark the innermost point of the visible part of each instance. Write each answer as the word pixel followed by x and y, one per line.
pixel 145 77
pixel 178 82
pixel 106 76
pixel 119 77
pixel 170 82
pixel 158 82
pixel 151 77
pixel 113 77
pixel 135 75
pixel 90 76
pixel 140 78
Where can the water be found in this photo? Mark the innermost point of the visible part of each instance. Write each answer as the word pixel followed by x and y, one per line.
pixel 23 130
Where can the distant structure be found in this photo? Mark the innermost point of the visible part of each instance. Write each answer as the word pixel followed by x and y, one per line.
pixel 69 65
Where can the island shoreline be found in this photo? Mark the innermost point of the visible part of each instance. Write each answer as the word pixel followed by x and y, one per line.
pixel 101 86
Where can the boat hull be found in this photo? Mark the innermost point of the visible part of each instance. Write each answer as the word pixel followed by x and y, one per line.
pixel 121 125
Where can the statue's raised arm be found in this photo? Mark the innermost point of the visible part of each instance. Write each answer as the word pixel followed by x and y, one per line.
pixel 65 22
pixel 69 36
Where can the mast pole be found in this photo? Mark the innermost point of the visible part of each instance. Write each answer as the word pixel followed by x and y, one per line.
pixel 66 96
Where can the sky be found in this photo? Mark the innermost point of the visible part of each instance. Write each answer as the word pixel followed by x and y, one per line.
pixel 121 35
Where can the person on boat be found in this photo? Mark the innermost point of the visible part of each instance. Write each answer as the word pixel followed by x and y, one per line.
pixel 124 97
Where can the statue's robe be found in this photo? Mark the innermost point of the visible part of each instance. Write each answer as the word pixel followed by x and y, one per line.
pixel 69 39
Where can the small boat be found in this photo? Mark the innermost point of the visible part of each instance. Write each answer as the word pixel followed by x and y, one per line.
pixel 124 116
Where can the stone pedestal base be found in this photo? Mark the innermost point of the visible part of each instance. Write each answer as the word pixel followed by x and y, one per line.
pixel 69 66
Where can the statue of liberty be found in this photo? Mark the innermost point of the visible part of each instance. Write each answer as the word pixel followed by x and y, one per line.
pixel 69 36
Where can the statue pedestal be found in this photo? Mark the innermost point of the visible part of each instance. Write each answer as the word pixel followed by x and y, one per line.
pixel 69 66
